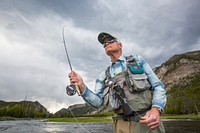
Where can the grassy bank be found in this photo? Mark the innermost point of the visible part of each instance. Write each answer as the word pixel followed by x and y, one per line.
pixel 81 119
pixel 98 119
pixel 7 118
pixel 17 119
pixel 109 119
pixel 190 116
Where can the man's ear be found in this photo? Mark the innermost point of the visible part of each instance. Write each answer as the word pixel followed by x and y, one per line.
pixel 120 44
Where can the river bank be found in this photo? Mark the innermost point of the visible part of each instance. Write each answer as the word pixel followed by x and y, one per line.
pixel 109 119
pixel 100 119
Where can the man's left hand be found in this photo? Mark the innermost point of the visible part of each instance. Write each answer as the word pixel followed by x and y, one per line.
pixel 152 118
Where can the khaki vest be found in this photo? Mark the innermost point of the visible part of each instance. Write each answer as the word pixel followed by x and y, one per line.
pixel 136 88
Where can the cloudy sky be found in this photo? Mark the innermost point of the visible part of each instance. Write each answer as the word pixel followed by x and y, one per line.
pixel 33 64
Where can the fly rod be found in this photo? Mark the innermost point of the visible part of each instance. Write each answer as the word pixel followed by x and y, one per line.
pixel 73 88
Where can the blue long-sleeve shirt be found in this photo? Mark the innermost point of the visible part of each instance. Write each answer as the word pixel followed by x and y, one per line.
pixel 95 98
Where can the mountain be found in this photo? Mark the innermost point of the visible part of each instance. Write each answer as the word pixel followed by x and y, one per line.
pixel 23 109
pixel 181 76
pixel 179 69
pixel 77 110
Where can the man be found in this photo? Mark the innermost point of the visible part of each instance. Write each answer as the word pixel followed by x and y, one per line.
pixel 133 90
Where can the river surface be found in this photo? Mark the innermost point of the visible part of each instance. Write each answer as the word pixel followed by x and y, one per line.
pixel 33 126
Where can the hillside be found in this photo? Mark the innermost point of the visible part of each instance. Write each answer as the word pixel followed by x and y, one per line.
pixel 181 76
pixel 179 69
pixel 77 110
pixel 23 109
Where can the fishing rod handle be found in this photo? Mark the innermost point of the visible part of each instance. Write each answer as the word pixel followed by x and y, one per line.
pixel 78 90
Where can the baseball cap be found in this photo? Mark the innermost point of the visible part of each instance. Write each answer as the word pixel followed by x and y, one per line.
pixel 103 35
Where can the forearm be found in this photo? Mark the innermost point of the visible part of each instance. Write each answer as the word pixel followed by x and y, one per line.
pixel 91 98
pixel 159 97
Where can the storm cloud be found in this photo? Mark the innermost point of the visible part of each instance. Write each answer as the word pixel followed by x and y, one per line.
pixel 33 63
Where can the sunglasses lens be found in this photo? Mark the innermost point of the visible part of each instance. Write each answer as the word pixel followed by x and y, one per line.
pixel 109 42
pixel 70 90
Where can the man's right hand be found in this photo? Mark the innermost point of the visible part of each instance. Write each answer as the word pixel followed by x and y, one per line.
pixel 152 118
pixel 76 79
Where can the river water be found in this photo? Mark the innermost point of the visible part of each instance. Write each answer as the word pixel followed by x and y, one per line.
pixel 33 126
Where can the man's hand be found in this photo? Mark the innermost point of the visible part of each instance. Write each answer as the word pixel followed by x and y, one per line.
pixel 152 118
pixel 76 79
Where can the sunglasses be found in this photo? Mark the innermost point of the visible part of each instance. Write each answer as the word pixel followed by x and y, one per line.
pixel 109 42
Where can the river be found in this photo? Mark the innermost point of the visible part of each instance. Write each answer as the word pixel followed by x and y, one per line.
pixel 34 126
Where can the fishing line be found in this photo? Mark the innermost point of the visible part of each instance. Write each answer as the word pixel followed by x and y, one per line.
pixel 78 121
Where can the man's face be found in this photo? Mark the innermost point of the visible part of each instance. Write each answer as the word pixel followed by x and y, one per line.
pixel 111 45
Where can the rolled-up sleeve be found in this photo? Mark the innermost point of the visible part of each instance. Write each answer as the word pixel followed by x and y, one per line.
pixel 159 92
pixel 95 98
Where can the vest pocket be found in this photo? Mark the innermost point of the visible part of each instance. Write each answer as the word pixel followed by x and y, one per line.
pixel 142 101
pixel 139 82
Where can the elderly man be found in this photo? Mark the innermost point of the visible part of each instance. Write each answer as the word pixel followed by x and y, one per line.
pixel 128 87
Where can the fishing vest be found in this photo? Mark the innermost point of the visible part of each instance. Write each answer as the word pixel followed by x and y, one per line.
pixel 135 85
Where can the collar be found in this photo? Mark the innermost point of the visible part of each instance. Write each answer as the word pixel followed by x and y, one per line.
pixel 120 59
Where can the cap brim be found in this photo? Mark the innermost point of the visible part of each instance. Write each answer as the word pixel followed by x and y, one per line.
pixel 102 36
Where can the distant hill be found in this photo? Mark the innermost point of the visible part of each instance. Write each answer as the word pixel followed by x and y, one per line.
pixel 23 109
pixel 77 110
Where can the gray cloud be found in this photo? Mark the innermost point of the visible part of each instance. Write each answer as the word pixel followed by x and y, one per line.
pixel 32 56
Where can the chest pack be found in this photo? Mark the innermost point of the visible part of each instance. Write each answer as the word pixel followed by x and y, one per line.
pixel 130 85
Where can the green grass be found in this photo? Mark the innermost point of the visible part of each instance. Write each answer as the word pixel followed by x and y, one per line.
pixel 81 119
pixel 191 116
pixel 7 118
pixel 98 119
pixel 109 119
pixel 15 119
